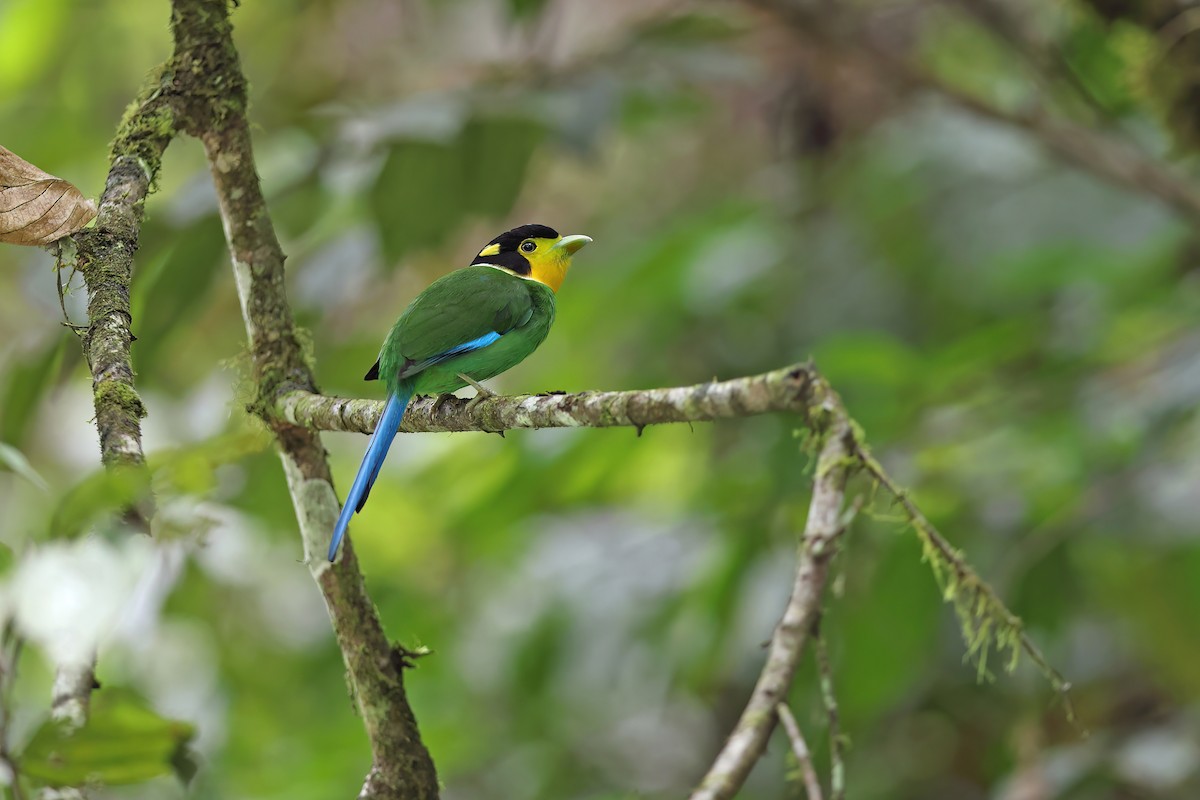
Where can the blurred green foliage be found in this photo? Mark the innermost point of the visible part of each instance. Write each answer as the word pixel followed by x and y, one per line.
pixel 122 742
pixel 1017 339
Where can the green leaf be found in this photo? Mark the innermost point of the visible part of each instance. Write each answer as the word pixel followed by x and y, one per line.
pixel 415 200
pixel 15 461
pixel 519 9
pixel 101 493
pixel 686 30
pixel 124 741
pixel 427 188
pixel 7 559
pixel 190 468
pixel 496 152
pixel 1094 51
pixel 170 292
pixel 28 381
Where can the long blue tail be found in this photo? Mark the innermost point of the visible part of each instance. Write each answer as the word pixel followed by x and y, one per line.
pixel 368 471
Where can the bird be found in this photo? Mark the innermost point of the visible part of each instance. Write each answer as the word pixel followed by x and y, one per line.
pixel 467 326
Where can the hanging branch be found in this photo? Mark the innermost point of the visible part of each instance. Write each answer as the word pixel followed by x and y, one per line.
pixel 808 773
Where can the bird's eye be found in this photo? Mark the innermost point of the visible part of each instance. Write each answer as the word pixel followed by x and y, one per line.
pixel 528 247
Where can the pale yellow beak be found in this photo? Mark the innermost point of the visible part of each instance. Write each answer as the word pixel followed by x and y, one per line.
pixel 571 244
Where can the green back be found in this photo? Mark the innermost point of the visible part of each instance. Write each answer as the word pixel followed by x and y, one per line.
pixel 458 308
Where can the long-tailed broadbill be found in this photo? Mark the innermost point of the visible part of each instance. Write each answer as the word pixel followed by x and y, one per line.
pixel 468 326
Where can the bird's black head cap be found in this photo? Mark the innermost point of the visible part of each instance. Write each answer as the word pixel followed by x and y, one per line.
pixel 503 250
pixel 509 240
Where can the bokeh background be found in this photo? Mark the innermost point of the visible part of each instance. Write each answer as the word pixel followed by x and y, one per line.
pixel 1017 338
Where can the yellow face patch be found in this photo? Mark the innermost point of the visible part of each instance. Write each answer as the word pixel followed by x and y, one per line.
pixel 490 250
pixel 546 264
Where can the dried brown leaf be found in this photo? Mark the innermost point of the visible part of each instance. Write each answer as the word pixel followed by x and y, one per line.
pixel 37 208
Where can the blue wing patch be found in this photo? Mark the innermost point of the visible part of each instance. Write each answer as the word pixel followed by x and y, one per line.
pixel 475 344
pixel 490 337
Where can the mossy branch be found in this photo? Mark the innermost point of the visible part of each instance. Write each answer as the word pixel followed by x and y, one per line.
pixel 105 257
pixel 214 86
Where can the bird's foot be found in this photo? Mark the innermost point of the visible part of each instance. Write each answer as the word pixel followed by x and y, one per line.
pixel 481 392
pixel 477 399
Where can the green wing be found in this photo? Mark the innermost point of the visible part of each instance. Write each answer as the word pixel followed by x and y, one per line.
pixel 455 311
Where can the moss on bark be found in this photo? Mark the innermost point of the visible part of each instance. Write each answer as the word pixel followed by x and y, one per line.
pixel 211 105
pixel 105 258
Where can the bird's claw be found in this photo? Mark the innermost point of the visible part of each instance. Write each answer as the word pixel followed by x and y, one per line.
pixel 481 392
pixel 478 398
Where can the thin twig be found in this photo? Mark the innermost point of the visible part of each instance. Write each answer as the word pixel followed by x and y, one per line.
pixel 808 773
pixel 798 389
pixel 985 620
pixel 837 764
pixel 59 265
pixel 72 692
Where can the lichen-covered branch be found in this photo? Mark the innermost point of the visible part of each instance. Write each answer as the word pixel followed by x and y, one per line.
pixel 216 114
pixel 837 764
pixel 791 389
pixel 822 531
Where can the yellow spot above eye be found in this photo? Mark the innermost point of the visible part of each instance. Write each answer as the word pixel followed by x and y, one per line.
pixel 490 250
